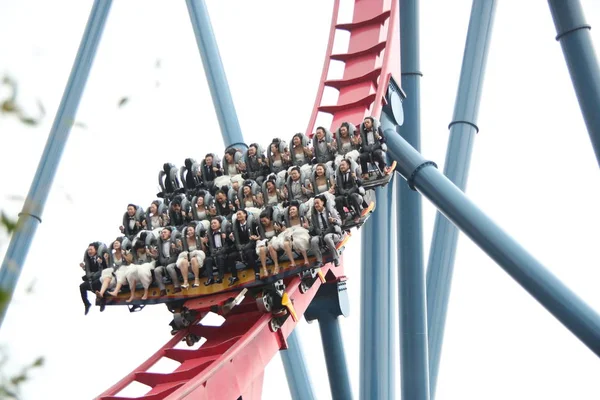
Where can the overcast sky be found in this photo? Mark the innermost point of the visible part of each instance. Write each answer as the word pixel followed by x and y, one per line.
pixel 533 171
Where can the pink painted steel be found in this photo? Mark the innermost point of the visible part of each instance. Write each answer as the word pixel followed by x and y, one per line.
pixel 232 361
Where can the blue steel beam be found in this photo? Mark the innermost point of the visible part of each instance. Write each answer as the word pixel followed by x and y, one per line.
pixel 411 273
pixel 331 302
pixel 573 33
pixel 463 129
pixel 548 290
pixel 293 360
pixel 296 372
pixel 377 380
pixel 31 214
pixel 215 74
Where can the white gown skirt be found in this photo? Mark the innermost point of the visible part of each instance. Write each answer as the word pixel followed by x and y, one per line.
pixel 298 236
pixel 108 273
pixel 142 273
pixel 198 254
pixel 224 180
pixel 276 242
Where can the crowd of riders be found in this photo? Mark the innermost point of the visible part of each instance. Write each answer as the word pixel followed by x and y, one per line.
pixel 253 208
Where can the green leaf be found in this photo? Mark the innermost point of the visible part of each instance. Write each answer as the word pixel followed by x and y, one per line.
pixel 123 101
pixel 9 224
pixel 28 120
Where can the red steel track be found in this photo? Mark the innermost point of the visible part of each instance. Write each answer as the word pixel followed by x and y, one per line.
pixel 231 362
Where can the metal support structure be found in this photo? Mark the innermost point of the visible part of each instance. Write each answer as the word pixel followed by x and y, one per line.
pixel 330 303
pixel 377 377
pixel 463 129
pixel 215 74
pixel 547 289
pixel 296 372
pixel 573 33
pixel 293 360
pixel 31 214
pixel 411 272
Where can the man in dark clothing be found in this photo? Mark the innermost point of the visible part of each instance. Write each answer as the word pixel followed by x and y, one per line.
pixel 93 264
pixel 346 191
pixel 131 224
pixel 244 234
pixel 168 252
pixel 210 170
pixel 371 147
pixel 219 246
pixel 256 165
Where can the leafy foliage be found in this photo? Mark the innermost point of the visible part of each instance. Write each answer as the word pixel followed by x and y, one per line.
pixel 9 224
pixel 10 106
pixel 10 385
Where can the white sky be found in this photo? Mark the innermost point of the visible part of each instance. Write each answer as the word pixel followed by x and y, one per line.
pixel 533 171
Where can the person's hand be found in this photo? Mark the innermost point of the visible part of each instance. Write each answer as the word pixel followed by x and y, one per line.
pixel 82 265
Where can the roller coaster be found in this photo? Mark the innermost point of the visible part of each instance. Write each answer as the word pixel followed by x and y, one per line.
pixel 230 364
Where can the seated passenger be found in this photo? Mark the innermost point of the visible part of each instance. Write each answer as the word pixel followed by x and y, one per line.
pixel 257 167
pixel 200 209
pixel 346 143
pixel 168 248
pixel 294 188
pixel 269 241
pixel 278 156
pixel 295 234
pixel 141 269
pixel 217 251
pixel 95 260
pixel 347 192
pixel 321 180
pixel 325 230
pixel 193 255
pixel 233 163
pixel 117 268
pixel 156 216
pixel 323 149
pixel 372 146
pixel 245 236
pixel 179 216
pixel 249 196
pixel 132 220
pixel 301 154
pixel 210 171
pixel 222 204
pixel 271 195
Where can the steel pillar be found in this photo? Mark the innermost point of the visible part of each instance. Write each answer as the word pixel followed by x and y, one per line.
pixel 295 369
pixel 377 378
pixel 215 74
pixel 31 214
pixel 411 273
pixel 463 129
pixel 557 298
pixel 293 359
pixel 573 33
pixel 331 302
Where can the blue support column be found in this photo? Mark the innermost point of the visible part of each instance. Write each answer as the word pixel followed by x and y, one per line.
pixel 330 303
pixel 296 372
pixel 411 273
pixel 463 129
pixel 573 33
pixel 215 74
pixel 293 358
pixel 548 290
pixel 377 380
pixel 31 215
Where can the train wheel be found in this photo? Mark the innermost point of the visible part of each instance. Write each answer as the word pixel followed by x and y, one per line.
pixel 264 303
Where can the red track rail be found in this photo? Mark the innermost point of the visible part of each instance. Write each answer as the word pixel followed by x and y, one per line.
pixel 231 362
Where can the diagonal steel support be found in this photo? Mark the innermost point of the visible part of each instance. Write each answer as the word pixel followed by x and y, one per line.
pixel 31 214
pixel 573 33
pixel 546 288
pixel 463 129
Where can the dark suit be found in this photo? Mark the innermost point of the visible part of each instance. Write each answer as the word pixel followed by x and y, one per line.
pixel 91 280
pixel 208 176
pixel 374 150
pixel 166 263
pixel 346 193
pixel 330 235
pixel 246 247
pixel 217 255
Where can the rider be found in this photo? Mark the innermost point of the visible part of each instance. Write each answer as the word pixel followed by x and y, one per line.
pixel 325 228
pixel 371 148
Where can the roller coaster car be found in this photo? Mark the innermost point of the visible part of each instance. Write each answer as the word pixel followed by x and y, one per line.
pixel 378 177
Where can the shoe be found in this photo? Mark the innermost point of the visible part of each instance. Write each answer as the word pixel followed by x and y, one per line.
pixel 257 276
pixel 102 305
pixel 336 262
pixel 176 290
pixel 233 280
pixel 87 308
pixel 219 280
pixel 163 292
pixel 318 264
pixel 185 286
pixel 209 282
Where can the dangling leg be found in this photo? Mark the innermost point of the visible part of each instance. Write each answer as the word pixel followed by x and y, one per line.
pixel 132 283
pixel 196 271
pixel 303 252
pixel 263 261
pixel 184 267
pixel 273 254
pixel 287 247
pixel 104 287
pixel 117 289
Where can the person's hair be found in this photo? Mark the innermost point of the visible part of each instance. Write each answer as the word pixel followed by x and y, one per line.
pixel 132 205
